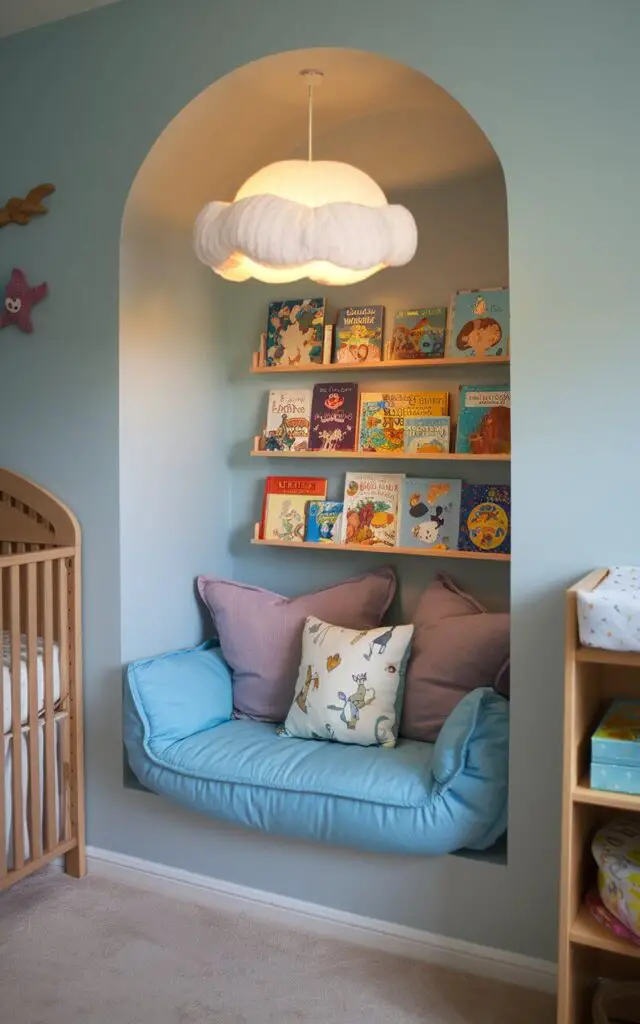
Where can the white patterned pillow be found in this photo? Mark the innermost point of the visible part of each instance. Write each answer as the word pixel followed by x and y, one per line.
pixel 350 684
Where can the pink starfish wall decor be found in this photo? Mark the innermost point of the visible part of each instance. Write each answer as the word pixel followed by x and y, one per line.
pixel 19 299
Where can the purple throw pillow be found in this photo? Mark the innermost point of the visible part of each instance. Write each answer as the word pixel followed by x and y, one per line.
pixel 502 684
pixel 260 632
pixel 457 646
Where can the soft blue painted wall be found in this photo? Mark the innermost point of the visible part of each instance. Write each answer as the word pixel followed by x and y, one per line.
pixel 174 485
pixel 556 88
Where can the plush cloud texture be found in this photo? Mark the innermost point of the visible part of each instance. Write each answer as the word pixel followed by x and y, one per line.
pixel 272 232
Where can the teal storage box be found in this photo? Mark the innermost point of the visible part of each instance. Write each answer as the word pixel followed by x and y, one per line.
pixel 615 749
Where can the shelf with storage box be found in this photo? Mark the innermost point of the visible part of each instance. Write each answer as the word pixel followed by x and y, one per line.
pixel 588 950
pixel 377 550
pixel 587 932
pixel 585 794
pixel 321 453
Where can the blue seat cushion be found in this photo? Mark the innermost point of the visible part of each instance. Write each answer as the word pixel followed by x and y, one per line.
pixel 415 798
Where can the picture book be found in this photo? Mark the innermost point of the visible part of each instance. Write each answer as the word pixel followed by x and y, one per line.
pixel 418 333
pixel 327 343
pixel 358 334
pixel 324 522
pixel 334 417
pixel 288 420
pixel 295 332
pixel 430 514
pixel 371 509
pixel 285 503
pixel 474 395
pixel 479 324
pixel 485 518
pixel 484 421
pixel 424 434
pixel 382 416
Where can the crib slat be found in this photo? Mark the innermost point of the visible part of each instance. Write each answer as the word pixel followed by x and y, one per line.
pixel 64 725
pixel 35 811
pixel 16 731
pixel 3 820
pixel 50 830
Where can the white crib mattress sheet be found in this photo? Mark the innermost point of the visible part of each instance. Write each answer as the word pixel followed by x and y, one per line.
pixel 7 696
pixel 60 805
pixel 609 616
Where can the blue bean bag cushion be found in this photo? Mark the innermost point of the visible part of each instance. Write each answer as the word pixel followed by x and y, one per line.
pixel 416 798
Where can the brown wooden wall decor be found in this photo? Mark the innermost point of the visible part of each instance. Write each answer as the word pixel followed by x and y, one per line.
pixel 20 211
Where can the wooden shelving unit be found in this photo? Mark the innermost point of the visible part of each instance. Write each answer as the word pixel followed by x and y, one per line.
pixel 587 950
pixel 427 553
pixel 392 364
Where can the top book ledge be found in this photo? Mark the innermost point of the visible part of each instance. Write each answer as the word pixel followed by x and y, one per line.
pixel 390 364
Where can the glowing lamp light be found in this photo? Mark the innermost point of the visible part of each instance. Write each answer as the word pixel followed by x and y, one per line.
pixel 323 220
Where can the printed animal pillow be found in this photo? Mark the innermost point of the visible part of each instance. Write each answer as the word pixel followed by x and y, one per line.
pixel 350 684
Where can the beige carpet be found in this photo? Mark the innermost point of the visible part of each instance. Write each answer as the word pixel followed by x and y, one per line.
pixel 93 952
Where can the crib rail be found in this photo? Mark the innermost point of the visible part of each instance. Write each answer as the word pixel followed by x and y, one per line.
pixel 41 774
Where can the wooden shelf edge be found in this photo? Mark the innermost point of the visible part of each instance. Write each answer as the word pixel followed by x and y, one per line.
pixel 391 364
pixel 398 456
pixel 429 553
pixel 584 794
pixel 586 931
pixel 590 581
pixel 599 656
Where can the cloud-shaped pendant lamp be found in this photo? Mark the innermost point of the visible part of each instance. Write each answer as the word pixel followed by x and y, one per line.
pixel 323 220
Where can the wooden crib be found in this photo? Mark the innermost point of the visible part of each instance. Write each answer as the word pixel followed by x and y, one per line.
pixel 41 766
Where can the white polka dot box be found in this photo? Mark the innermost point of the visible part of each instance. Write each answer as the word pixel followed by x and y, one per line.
pixel 609 616
pixel 615 749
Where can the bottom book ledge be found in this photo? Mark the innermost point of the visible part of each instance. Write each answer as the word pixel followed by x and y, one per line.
pixel 487 556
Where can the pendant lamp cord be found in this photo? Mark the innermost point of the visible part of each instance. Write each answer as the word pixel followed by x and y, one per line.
pixel 310 158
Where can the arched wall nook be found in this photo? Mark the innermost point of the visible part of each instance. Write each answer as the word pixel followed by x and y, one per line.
pixel 187 337
pixel 188 407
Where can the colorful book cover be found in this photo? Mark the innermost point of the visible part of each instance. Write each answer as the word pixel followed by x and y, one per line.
pixel 474 395
pixel 484 430
pixel 358 334
pixel 334 417
pixel 621 724
pixel 419 333
pixel 295 332
pixel 484 421
pixel 371 509
pixel 426 434
pixel 479 324
pixel 324 522
pixel 288 420
pixel 485 518
pixel 285 503
pixel 383 414
pixel 430 514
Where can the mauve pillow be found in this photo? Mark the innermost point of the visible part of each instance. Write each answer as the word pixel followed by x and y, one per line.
pixel 457 646
pixel 502 683
pixel 260 633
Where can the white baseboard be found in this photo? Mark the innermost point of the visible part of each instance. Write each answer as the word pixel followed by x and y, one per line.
pixel 325 921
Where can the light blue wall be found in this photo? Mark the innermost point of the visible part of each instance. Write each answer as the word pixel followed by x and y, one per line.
pixel 556 88
pixel 174 485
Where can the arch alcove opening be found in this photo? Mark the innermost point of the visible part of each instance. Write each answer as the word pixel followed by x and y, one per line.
pixel 190 493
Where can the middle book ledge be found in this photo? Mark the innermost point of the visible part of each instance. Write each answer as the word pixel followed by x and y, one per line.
pixel 328 453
